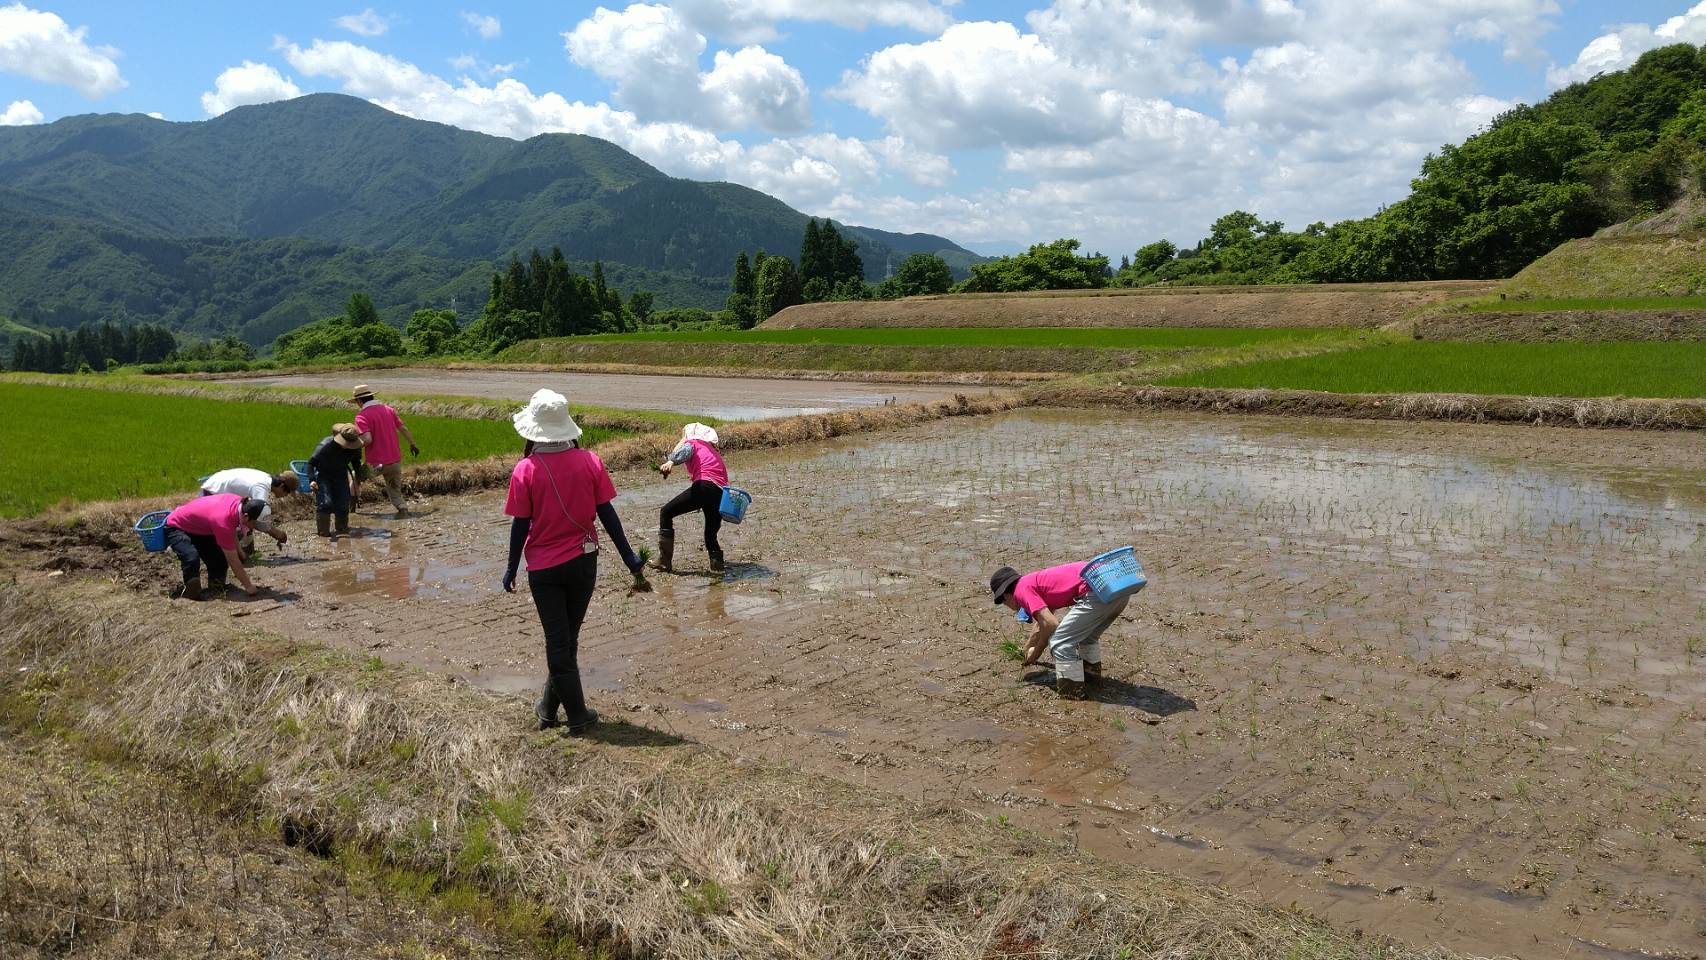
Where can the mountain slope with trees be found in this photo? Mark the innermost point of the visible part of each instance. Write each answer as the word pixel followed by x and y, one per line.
pixel 269 216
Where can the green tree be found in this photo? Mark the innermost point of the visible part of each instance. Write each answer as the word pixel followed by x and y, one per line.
pixel 1045 266
pixel 776 287
pixel 360 310
pixel 429 332
pixel 922 273
pixel 640 305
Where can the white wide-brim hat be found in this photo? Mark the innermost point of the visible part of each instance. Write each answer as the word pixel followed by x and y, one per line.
pixel 546 419
pixel 698 431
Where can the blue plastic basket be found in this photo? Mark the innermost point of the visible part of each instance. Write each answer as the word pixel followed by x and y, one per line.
pixel 735 502
pixel 152 529
pixel 1114 574
pixel 301 468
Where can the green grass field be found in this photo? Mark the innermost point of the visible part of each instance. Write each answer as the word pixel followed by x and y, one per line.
pixel 1118 338
pixel 1570 369
pixel 70 444
pixel 1560 304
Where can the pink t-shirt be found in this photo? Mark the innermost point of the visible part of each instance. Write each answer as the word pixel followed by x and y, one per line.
pixel 381 421
pixel 707 464
pixel 216 515
pixel 1051 589
pixel 555 537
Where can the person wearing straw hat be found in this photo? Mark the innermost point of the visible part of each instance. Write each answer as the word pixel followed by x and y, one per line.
pixel 256 485
pixel 555 493
pixel 380 425
pixel 334 459
pixel 205 530
pixel 1066 617
pixel 709 475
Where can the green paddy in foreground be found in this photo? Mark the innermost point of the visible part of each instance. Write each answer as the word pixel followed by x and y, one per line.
pixel 1567 369
pixel 75 444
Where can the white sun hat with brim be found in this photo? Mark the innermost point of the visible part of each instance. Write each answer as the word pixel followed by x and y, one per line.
pixel 698 431
pixel 546 419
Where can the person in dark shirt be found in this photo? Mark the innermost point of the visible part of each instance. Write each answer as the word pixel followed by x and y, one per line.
pixel 329 470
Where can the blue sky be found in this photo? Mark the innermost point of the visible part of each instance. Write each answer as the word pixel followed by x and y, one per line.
pixel 994 123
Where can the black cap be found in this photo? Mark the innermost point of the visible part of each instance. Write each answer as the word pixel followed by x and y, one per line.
pixel 1002 581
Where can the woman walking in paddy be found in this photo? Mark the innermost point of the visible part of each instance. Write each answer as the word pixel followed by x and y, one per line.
pixel 709 475
pixel 555 493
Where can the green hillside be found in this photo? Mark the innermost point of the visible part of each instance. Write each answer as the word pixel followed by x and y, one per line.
pixel 270 215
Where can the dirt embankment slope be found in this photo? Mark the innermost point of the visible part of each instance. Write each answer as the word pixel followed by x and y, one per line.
pixel 1339 305
pixel 1541 325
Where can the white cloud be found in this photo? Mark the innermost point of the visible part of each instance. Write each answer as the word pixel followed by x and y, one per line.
pixel 808 172
pixel 41 46
pixel 1622 46
pixel 982 84
pixel 755 21
pixel 247 84
pixel 367 23
pixel 650 55
pixel 20 113
pixel 156 115
pixel 487 26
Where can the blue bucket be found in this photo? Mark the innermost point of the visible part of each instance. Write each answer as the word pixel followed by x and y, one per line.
pixel 301 468
pixel 152 529
pixel 1114 574
pixel 735 502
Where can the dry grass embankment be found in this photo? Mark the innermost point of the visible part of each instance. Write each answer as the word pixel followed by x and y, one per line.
pixel 1536 326
pixel 1347 305
pixel 746 358
pixel 634 840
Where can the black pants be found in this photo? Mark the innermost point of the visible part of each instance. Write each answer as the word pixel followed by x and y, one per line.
pixel 561 594
pixel 703 496
pixel 194 549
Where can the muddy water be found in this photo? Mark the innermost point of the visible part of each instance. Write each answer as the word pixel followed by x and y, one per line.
pixel 1439 681
pixel 727 398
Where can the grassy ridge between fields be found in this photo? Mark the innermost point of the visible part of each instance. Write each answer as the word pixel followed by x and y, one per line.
pixel 1561 304
pixel 93 444
pixel 1567 369
pixel 1099 338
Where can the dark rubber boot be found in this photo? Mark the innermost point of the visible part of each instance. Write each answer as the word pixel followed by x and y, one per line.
pixel 547 707
pixel 716 561
pixel 192 589
pixel 216 589
pixel 567 687
pixel 323 524
pixel 666 552
pixel 1069 689
pixel 1092 672
pixel 342 521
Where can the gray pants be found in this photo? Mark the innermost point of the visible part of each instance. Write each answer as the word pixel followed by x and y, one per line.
pixel 391 481
pixel 1078 639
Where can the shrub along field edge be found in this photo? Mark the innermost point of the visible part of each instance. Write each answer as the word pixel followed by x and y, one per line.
pixel 634 840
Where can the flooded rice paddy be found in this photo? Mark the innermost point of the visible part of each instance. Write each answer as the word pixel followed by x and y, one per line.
pixel 1444 682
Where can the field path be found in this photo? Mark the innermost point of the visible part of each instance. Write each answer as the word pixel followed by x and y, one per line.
pixel 1442 682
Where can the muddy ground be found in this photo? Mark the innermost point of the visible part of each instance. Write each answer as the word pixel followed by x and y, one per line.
pixel 1439 681
pixel 729 398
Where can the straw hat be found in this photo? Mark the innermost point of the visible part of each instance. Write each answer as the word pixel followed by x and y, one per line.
pixel 546 419
pixel 361 394
pixel 347 435
pixel 698 431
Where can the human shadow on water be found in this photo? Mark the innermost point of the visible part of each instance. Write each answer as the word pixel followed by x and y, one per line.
pixel 735 572
pixel 1120 693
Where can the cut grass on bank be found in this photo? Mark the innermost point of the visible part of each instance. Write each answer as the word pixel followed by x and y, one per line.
pixel 1569 369
pixel 1108 338
pixel 79 445
pixel 1583 304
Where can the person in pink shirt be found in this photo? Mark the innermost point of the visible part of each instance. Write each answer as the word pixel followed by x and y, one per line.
pixel 206 530
pixel 555 493
pixel 380 425
pixel 1066 617
pixel 709 475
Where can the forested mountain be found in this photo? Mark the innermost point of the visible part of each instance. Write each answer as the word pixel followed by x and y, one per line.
pixel 268 216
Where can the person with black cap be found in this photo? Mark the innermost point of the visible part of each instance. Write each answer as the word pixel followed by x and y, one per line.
pixel 1066 618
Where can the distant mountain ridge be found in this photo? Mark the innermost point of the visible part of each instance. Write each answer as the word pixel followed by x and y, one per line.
pixel 269 215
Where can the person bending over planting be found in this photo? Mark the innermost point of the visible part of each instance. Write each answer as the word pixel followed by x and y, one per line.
pixel 329 469
pixel 206 530
pixel 709 475
pixel 256 485
pixel 380 425
pixel 555 493
pixel 1066 617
